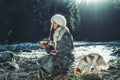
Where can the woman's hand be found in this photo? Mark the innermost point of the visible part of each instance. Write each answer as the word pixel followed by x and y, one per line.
pixel 54 52
pixel 43 44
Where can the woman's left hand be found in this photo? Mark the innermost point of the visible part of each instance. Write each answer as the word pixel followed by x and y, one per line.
pixel 54 52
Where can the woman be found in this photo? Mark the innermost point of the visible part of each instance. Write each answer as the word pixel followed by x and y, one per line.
pixel 59 48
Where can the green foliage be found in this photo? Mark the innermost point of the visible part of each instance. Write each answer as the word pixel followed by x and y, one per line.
pixel 43 10
pixel 116 4
pixel 74 14
pixel 47 8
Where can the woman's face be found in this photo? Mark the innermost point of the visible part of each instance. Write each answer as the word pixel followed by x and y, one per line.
pixel 55 25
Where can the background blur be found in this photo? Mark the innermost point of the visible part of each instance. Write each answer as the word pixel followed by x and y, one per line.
pixel 88 20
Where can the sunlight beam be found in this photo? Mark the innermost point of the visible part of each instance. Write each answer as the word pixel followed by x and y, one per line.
pixel 88 1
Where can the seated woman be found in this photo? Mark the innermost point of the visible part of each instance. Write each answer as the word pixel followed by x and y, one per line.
pixel 59 48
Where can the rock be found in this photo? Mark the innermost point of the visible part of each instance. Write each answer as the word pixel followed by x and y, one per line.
pixel 116 53
pixel 23 74
pixel 28 69
pixel 6 56
pixel 112 67
pixel 9 66
pixel 118 78
pixel 26 50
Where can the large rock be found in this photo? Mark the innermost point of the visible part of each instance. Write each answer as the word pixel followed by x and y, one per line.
pixel 6 56
pixel 7 61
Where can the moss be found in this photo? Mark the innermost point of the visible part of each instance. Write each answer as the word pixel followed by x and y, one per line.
pixel 91 76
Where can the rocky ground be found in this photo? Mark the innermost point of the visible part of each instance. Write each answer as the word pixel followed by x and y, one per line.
pixel 27 54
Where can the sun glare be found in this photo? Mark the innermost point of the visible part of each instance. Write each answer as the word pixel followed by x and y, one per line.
pixel 78 1
pixel 88 1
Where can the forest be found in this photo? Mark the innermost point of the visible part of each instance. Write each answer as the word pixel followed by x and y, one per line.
pixel 29 20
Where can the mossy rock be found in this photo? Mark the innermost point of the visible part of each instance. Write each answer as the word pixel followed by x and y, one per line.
pixel 91 76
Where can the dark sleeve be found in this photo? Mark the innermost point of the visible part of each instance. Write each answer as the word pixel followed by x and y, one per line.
pixel 65 45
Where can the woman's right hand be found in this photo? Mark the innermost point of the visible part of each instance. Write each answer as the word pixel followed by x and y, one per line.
pixel 54 52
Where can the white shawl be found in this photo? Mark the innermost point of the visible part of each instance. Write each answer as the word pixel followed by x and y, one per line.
pixel 57 36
